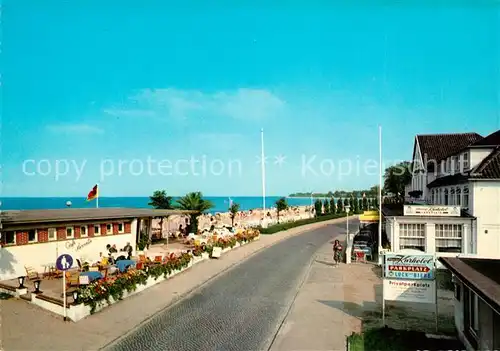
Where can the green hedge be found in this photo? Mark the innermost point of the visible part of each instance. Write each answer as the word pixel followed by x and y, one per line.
pixel 285 226
pixel 388 339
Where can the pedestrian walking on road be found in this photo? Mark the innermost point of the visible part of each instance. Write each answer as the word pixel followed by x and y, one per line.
pixel 337 252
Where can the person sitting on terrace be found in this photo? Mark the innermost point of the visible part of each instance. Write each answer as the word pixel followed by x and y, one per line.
pixel 128 249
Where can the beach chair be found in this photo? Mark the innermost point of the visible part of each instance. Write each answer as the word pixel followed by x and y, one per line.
pixel 31 273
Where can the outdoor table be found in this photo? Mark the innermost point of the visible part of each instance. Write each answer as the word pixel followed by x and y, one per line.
pixel 93 275
pixel 124 264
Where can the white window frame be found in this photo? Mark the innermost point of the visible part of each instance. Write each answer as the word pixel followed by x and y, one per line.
pixel 466 198
pixel 36 236
pixel 55 234
pixel 109 228
pixel 72 233
pixel 123 228
pixel 15 237
pixel 458 196
pixel 451 197
pixel 412 231
pixel 442 232
pixel 446 199
pixel 466 160
pixel 98 233
pixel 86 231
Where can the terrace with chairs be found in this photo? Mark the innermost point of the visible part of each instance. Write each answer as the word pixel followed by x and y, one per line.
pixel 120 275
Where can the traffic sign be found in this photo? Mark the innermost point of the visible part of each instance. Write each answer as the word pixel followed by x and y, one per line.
pixel 64 262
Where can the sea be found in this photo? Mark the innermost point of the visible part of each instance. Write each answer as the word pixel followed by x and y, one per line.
pixel 221 203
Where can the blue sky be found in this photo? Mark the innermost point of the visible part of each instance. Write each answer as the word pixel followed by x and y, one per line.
pixel 96 82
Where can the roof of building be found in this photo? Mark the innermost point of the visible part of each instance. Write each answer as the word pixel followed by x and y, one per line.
pixel 436 147
pixel 81 214
pixel 397 210
pixel 491 140
pixel 479 274
pixel 488 169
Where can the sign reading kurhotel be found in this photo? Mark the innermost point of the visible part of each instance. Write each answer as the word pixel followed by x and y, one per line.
pixel 432 211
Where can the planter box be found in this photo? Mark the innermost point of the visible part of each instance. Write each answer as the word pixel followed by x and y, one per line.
pixel 78 312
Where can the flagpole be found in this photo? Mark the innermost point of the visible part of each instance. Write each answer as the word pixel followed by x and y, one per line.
pixel 97 197
pixel 263 171
pixel 380 196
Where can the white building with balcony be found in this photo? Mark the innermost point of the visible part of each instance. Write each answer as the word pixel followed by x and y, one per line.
pixel 456 190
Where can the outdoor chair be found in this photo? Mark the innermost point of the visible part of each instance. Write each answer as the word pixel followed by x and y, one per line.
pixel 72 279
pixel 31 273
pixel 158 259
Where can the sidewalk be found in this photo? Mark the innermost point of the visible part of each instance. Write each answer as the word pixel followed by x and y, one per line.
pixel 333 302
pixel 26 327
pixel 318 319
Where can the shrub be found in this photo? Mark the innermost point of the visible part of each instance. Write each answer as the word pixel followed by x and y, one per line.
pixel 285 226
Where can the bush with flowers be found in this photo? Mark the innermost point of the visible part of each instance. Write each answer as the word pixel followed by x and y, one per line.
pixel 100 291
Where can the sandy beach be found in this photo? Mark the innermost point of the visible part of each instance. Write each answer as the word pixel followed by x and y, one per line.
pixel 243 219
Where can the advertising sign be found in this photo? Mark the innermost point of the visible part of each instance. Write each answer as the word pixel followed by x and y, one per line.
pixel 423 291
pixel 416 267
pixel 431 211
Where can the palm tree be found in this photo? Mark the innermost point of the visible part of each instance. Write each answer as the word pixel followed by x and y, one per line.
pixel 194 202
pixel 160 200
pixel 281 205
pixel 233 210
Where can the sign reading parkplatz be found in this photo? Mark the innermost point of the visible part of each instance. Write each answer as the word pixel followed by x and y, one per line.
pixel 413 267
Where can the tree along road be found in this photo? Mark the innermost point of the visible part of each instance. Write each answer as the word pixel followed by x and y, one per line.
pixel 240 310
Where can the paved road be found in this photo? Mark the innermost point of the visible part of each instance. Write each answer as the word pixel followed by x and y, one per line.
pixel 242 309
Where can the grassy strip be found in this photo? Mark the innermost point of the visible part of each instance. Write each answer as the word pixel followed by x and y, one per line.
pixel 285 226
pixel 388 339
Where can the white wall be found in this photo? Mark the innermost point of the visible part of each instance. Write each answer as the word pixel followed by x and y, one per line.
pixel 477 155
pixel 487 328
pixel 14 258
pixel 486 207
pixel 430 231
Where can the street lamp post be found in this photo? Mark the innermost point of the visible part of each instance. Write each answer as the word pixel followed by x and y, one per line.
pixel 347 209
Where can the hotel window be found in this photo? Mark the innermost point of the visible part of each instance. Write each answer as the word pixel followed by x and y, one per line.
pixel 443 167
pixel 412 236
pixel 458 195
pixel 69 233
pixel 109 229
pixel 452 197
pixel 121 228
pixel 471 317
pixel 449 238
pixel 9 238
pixel 32 236
pixel 466 198
pixel 83 231
pixel 97 230
pixel 52 234
pixel 466 161
pixel 433 196
pixel 446 197
pixel 440 200
pixel 448 165
pixel 458 162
